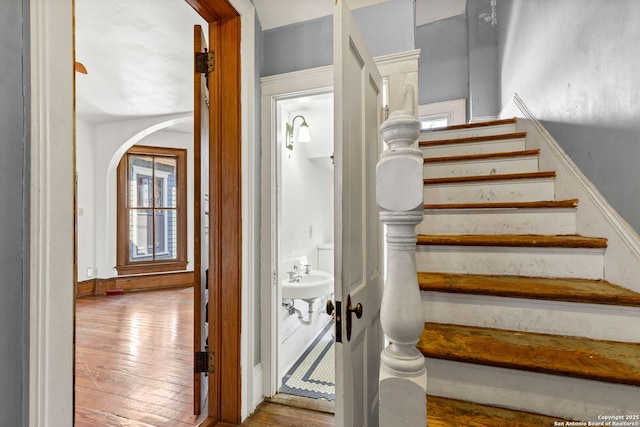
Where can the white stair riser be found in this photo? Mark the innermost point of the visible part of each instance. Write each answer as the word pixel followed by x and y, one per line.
pixel 596 321
pixel 498 221
pixel 466 133
pixel 537 262
pixel 481 167
pixel 463 149
pixel 522 190
pixel 562 397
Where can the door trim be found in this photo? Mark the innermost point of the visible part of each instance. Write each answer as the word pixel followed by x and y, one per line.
pixel 50 388
pixel 274 88
pixel 400 69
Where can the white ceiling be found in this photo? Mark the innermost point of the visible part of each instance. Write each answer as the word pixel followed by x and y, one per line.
pixel 139 58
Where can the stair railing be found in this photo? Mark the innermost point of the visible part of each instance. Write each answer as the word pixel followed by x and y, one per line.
pixel 399 182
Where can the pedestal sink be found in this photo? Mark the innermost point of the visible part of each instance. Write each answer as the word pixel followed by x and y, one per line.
pixel 312 285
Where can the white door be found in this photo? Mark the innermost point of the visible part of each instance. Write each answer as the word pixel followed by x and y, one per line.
pixel 358 233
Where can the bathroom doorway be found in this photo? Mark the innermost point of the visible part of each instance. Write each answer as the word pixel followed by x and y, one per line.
pixel 302 245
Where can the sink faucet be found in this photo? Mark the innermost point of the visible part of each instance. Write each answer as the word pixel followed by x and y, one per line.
pixel 306 268
pixel 293 275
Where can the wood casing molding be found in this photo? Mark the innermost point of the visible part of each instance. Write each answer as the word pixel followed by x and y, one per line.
pixel 225 207
pixel 99 286
pixel 124 264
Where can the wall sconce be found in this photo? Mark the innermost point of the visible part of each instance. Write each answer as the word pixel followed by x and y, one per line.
pixel 303 133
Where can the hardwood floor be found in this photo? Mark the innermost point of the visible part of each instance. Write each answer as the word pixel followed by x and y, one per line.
pixel 134 365
pixel 134 359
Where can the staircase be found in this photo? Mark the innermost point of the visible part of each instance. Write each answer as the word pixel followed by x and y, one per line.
pixel 517 314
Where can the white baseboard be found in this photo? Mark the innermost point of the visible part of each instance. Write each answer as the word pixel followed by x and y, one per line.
pixel 595 217
pixel 256 393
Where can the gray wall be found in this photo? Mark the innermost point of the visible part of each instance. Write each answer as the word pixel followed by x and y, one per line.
pixel 459 59
pixel 443 68
pixel 387 28
pixel 576 64
pixel 484 89
pixel 14 208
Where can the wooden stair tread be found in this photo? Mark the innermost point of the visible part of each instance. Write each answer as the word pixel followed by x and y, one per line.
pixel 514 240
pixel 484 156
pixel 445 412
pixel 550 289
pixel 473 139
pixel 558 204
pixel 508 121
pixel 484 178
pixel 610 361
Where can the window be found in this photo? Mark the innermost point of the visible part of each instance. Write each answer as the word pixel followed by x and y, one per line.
pixel 152 198
pixel 441 114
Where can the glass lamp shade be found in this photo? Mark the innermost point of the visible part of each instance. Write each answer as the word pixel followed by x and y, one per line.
pixel 303 133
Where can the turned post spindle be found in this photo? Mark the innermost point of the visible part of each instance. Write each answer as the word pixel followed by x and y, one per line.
pixel 399 180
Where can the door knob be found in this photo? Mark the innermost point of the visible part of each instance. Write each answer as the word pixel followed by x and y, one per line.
pixel 330 308
pixel 350 310
pixel 357 309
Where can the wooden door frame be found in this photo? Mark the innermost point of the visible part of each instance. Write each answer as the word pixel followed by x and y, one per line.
pixel 225 257
pixel 51 318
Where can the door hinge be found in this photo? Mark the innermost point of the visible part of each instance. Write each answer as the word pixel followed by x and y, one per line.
pixel 205 62
pixel 203 362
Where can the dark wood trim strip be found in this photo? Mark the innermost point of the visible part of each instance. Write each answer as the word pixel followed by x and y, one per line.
pixel 484 156
pixel 225 238
pixel 484 178
pixel 154 281
pixel 213 10
pixel 515 240
pixel 85 288
pixel 508 121
pixel 553 204
pixel 473 139
pixel 544 353
pixel 104 285
pixel 138 282
pixel 549 289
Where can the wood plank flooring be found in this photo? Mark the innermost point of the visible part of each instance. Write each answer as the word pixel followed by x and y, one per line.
pixel 134 359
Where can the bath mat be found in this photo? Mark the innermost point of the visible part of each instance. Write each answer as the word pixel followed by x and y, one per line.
pixel 313 374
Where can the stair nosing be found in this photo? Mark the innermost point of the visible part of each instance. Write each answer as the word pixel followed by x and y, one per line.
pixel 508 345
pixel 483 156
pixel 473 139
pixel 569 241
pixel 496 177
pixel 539 288
pixel 542 204
pixel 498 122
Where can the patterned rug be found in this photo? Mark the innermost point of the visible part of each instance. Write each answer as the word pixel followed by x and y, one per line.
pixel 313 374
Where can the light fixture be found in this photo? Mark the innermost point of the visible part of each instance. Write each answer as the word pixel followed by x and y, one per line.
pixel 303 132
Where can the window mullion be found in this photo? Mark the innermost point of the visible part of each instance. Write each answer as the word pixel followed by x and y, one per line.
pixel 153 207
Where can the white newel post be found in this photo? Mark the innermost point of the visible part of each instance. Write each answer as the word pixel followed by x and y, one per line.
pixel 399 180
